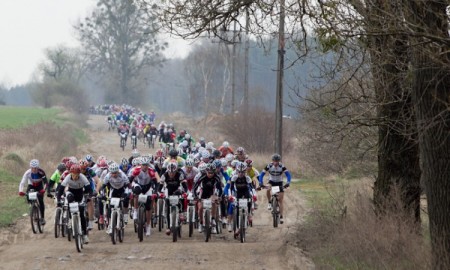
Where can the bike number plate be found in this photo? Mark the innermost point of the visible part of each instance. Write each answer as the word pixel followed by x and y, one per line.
pixel 32 196
pixel 275 190
pixel 115 202
pixel 174 200
pixel 207 204
pixel 243 204
pixel 74 207
pixel 142 198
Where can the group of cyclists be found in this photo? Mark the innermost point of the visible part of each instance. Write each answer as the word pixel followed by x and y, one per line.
pixel 185 168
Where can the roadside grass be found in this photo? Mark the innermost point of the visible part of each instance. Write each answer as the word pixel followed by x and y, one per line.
pixel 18 117
pixel 342 231
pixel 27 133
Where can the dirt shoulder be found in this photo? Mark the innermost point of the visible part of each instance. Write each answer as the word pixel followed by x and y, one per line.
pixel 266 247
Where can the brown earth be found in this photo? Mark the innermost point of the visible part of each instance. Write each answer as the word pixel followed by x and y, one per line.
pixel 266 247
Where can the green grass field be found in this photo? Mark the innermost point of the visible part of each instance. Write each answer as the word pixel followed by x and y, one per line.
pixel 17 117
pixel 12 205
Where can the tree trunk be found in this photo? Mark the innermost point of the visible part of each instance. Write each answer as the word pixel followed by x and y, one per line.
pixel 431 92
pixel 398 156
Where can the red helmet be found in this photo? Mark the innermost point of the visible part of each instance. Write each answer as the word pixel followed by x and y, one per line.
pixel 159 153
pixel 103 164
pixel 249 162
pixel 75 169
pixel 83 164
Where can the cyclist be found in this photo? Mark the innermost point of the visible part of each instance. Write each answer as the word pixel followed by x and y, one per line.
pixel 143 179
pixel 225 149
pixel 90 159
pixel 123 129
pixel 173 180
pixel 173 154
pixel 36 179
pixel 240 154
pixel 55 179
pixel 276 170
pixel 77 186
pixel 117 182
pixel 124 165
pixel 208 186
pixel 253 174
pixel 180 136
pixel 240 186
pixel 94 181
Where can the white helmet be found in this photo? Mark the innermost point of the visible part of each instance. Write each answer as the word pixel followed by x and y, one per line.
pixel 225 144
pixel 113 167
pixel 34 163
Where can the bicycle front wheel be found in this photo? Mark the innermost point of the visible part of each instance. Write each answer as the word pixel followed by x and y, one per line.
pixel 57 222
pixel 34 217
pixel 141 221
pixel 275 216
pixel 77 237
pixel 174 228
pixel 207 222
pixel 114 228
pixel 242 228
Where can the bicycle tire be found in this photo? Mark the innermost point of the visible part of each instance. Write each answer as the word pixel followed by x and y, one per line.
pixel 275 212
pixel 114 228
pixel 33 209
pixel 63 225
pixel 173 221
pixel 242 228
pixel 207 229
pixel 160 215
pixel 191 223
pixel 77 234
pixel 235 221
pixel 121 230
pixel 141 219
pixel 57 222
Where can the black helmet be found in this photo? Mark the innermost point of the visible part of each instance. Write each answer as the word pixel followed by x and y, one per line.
pixel 61 167
pixel 276 157
pixel 173 153
pixel 216 153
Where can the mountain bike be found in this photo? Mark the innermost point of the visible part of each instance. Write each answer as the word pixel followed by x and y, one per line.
pixel 123 140
pixel 174 214
pixel 142 217
pixel 207 219
pixel 160 206
pixel 218 218
pixel 133 141
pixel 116 220
pixel 192 218
pixel 75 223
pixel 151 140
pixel 240 218
pixel 275 205
pixel 35 213
pixel 60 221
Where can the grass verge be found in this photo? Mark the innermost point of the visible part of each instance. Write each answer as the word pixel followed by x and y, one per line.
pixel 18 117
pixel 12 206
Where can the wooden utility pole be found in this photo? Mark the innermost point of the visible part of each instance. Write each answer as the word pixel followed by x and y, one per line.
pixel 233 71
pixel 279 96
pixel 247 45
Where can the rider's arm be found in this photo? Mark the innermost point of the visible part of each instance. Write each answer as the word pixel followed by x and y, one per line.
pixel 224 174
pixel 227 188
pixel 288 176
pixel 261 177
pixel 24 180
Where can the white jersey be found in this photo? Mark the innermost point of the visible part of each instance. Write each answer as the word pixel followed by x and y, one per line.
pixel 118 181
pixel 75 184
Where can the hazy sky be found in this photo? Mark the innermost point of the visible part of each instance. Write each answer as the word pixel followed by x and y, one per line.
pixel 27 27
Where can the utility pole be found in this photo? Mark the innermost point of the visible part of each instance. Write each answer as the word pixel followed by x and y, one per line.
pixel 247 45
pixel 233 71
pixel 279 96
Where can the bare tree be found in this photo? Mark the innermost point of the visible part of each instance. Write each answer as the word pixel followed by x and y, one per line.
pixel 121 40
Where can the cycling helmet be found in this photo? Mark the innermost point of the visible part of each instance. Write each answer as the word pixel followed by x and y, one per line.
pixel 159 153
pixel 249 162
pixel 64 160
pixel 83 164
pixel 217 163
pixel 135 153
pixel 89 158
pixel 224 162
pixel 229 157
pixel 198 145
pixel 184 143
pixel 173 153
pixel 216 153
pixel 240 150
pixel 109 162
pixel 202 167
pixel 226 144
pixel 187 136
pixel 145 161
pixel 103 164
pixel 113 168
pixel 241 167
pixel 135 162
pixel 124 161
pixel 210 167
pixel 205 154
pixel 172 167
pixel 209 146
pixel 34 163
pixel 74 159
pixel 189 163
pixel 202 139
pixel 160 160
pixel 75 168
pixel 234 162
pixel 61 167
pixel 100 158
pixel 276 157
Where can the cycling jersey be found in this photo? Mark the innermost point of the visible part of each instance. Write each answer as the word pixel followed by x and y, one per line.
pixel 116 182
pixel 173 183
pixel 38 179
pixel 143 178
pixel 275 172
pixel 190 176
pixel 56 177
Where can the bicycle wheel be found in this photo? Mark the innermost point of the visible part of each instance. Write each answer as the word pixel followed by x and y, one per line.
pixel 275 212
pixel 191 222
pixel 57 222
pixel 77 233
pixel 160 214
pixel 114 227
pixel 63 221
pixel 235 221
pixel 207 222
pixel 242 228
pixel 121 230
pixel 173 221
pixel 34 217
pixel 69 230
pixel 141 220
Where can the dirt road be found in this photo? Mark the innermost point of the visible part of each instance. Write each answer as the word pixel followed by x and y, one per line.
pixel 266 247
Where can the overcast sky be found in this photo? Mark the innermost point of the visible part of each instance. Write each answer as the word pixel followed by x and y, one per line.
pixel 27 27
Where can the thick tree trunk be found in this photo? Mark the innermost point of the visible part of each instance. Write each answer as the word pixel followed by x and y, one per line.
pixel 431 95
pixel 398 156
